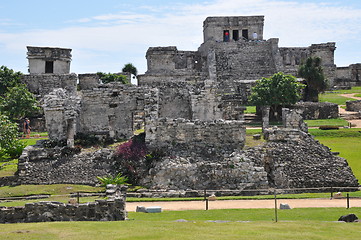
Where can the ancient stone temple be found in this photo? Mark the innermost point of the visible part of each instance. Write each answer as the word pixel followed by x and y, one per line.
pixel 190 104
pixel 231 58
pixel 49 60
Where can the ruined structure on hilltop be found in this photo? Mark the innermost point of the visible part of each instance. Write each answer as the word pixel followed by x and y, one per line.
pixel 231 58
pixel 190 104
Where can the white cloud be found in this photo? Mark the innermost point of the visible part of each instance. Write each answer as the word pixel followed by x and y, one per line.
pixel 102 43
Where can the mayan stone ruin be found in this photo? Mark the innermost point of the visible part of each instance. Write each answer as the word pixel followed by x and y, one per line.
pixel 190 105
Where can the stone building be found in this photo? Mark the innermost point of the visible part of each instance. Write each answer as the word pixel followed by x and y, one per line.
pixel 232 57
pixel 49 60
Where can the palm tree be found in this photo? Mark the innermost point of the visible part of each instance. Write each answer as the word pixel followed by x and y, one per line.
pixel 315 80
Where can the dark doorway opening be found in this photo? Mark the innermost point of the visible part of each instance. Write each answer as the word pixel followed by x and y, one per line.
pixel 49 67
pixel 235 35
pixel 226 36
pixel 245 34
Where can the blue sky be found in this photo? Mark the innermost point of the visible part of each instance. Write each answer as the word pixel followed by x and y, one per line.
pixel 107 34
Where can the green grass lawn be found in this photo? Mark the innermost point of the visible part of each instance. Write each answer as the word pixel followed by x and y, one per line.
pixel 334 97
pixel 8 168
pixel 352 154
pixel 250 109
pixel 307 223
pixel 330 122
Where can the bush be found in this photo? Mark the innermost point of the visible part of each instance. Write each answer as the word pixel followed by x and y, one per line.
pixel 328 127
pixel 135 149
pixel 112 77
pixel 116 180
pixel 10 145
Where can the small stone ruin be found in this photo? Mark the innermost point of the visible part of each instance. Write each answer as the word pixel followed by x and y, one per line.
pixel 112 209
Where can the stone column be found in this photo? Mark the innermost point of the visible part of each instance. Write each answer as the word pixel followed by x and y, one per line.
pixel 70 133
pixel 265 117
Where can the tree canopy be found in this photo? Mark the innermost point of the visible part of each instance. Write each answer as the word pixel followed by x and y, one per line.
pixel 315 79
pixel 130 68
pixel 18 102
pixel 10 145
pixel 8 79
pixel 276 91
pixel 112 77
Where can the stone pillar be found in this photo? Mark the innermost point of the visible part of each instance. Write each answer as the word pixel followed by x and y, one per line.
pixel 70 133
pixel 265 117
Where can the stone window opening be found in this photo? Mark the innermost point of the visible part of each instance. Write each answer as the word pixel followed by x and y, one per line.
pixel 49 67
pixel 235 35
pixel 225 35
pixel 245 34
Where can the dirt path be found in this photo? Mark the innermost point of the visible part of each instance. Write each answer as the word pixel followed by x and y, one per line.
pixel 350 95
pixel 245 204
pixel 346 114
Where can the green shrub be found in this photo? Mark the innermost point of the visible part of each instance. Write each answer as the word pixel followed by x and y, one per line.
pixel 10 145
pixel 16 149
pixel 328 127
pixel 116 180
pixel 112 77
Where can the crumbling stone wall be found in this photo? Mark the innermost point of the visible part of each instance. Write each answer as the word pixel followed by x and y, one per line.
pixel 197 134
pixel 100 210
pixel 42 84
pixel 292 119
pixel 348 76
pixel 114 110
pixel 40 165
pixel 318 110
pixel 61 110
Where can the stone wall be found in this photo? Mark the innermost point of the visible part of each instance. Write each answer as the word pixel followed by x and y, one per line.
pixel 348 76
pixel 100 210
pixel 292 119
pixel 61 110
pixel 42 84
pixel 114 110
pixel 245 60
pixel 354 106
pixel 318 110
pixel 219 134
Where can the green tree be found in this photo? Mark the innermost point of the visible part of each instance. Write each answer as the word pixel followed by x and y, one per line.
pixel 130 68
pixel 18 102
pixel 278 91
pixel 316 82
pixel 113 77
pixel 8 79
pixel 10 145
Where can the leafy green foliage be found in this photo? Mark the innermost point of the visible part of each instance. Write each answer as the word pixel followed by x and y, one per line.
pixel 280 89
pixel 18 102
pixel 10 145
pixel 116 180
pixel 112 77
pixel 8 79
pixel 276 91
pixel 316 82
pixel 130 68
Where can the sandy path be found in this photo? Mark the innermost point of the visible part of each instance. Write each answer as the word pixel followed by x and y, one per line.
pixel 243 204
pixel 350 95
